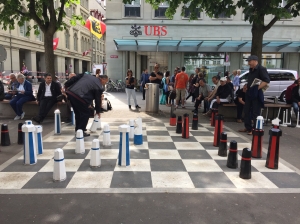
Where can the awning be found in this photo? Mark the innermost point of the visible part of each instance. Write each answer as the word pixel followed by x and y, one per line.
pixel 203 45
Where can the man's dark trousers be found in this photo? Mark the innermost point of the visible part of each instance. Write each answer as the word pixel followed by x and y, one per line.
pixel 252 109
pixel 45 106
pixel 82 113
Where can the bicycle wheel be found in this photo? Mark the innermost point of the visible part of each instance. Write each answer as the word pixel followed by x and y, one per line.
pixel 109 87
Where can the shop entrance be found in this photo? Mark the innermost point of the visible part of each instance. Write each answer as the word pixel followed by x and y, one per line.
pixel 150 58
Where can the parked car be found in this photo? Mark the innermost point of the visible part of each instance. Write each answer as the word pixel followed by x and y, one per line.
pixel 280 80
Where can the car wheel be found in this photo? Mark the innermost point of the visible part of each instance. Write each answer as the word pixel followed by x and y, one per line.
pixel 282 97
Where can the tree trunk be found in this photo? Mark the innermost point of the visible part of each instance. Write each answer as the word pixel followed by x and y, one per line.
pixel 257 39
pixel 49 53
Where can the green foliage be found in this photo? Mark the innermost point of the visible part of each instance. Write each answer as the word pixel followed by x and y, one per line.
pixel 254 10
pixel 43 12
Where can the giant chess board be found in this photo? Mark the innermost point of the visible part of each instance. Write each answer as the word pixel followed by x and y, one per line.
pixel 164 162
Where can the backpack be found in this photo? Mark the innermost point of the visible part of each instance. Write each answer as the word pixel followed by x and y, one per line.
pixel 106 105
pixel 109 107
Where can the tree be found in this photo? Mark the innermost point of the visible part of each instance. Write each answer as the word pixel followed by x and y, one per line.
pixel 254 11
pixel 47 17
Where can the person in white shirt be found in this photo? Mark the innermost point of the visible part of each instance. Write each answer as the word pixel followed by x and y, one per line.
pixel 46 97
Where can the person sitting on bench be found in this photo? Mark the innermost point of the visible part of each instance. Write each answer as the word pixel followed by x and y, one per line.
pixel 224 91
pixel 46 97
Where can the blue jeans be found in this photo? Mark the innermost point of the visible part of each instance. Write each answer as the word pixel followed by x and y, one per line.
pixel 17 103
pixel 296 108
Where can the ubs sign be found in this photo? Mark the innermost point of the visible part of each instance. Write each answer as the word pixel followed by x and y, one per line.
pixel 150 30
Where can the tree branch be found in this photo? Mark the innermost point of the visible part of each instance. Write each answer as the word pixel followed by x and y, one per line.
pixel 34 16
pixel 61 12
pixel 275 19
pixel 45 15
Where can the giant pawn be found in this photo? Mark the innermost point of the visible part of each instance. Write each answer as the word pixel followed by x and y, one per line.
pixel 59 169
pixel 232 161
pixel 29 143
pixel 138 132
pixel 245 171
pixel 106 135
pixel 79 149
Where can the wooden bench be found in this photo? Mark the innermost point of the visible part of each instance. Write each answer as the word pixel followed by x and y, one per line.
pixel 31 109
pixel 229 110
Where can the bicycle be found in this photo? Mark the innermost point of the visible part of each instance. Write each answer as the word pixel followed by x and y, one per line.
pixel 117 86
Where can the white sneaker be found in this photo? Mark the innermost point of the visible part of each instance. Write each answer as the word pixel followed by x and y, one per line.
pixel 22 115
pixel 17 118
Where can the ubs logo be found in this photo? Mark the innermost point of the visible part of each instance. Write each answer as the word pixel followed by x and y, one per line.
pixel 135 30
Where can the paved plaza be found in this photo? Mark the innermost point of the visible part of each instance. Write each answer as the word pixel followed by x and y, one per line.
pixel 164 164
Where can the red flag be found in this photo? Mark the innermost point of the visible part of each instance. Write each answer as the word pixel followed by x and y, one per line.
pixel 55 43
pixel 85 53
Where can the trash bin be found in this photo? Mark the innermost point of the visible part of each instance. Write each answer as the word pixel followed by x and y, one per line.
pixel 152 97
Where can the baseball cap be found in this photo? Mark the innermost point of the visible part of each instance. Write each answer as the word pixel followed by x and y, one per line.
pixel 252 57
pixel 224 79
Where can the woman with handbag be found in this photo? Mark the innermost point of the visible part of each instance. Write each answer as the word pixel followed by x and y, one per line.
pixel 165 81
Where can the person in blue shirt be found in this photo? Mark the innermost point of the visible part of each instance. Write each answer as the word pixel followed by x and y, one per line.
pixel 12 86
pixel 144 80
pixel 24 93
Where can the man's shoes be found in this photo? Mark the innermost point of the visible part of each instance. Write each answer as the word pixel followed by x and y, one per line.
pixel 143 99
pixel 249 132
pixel 86 134
pixel 137 107
pixel 183 107
pixel 243 130
pixel 176 106
pixel 36 120
pixel 22 115
pixel 239 121
pixel 129 106
pixel 17 117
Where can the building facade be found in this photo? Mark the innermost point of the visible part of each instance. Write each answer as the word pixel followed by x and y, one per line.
pixel 139 36
pixel 28 51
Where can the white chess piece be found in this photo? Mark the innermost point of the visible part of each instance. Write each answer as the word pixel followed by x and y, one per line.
pixel 57 124
pixel 59 170
pixel 79 142
pixel 95 160
pixel 131 128
pixel 106 135
pixel 29 143
pixel 95 123
pixel 124 157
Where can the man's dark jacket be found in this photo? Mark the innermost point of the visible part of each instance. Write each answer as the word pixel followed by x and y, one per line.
pixel 87 88
pixel 55 90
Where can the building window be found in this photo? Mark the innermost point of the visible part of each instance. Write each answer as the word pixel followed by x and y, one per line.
pixel 82 44
pixel 93 43
pixel 161 11
pixel 75 39
pixel 187 13
pixel 67 39
pixel 221 15
pixel 133 9
pixel 40 37
pixel 23 30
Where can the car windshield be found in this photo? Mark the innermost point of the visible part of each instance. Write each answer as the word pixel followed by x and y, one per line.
pixel 244 78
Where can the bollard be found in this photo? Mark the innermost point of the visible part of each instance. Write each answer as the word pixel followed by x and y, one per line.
pixel 124 156
pixel 39 139
pixel 20 134
pixel 173 120
pixel 232 161
pixel 218 129
pixel 59 170
pixel 257 142
pixel 214 113
pixel 185 126
pixel 5 140
pixel 179 125
pixel 138 132
pixel 29 143
pixel 99 124
pixel 72 116
pixel 195 122
pixel 57 124
pixel 245 172
pixel 106 135
pixel 95 123
pixel 79 149
pixel 95 160
pixel 223 145
pixel 273 149
pixel 131 128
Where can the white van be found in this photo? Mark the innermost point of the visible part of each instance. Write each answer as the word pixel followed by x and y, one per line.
pixel 280 80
